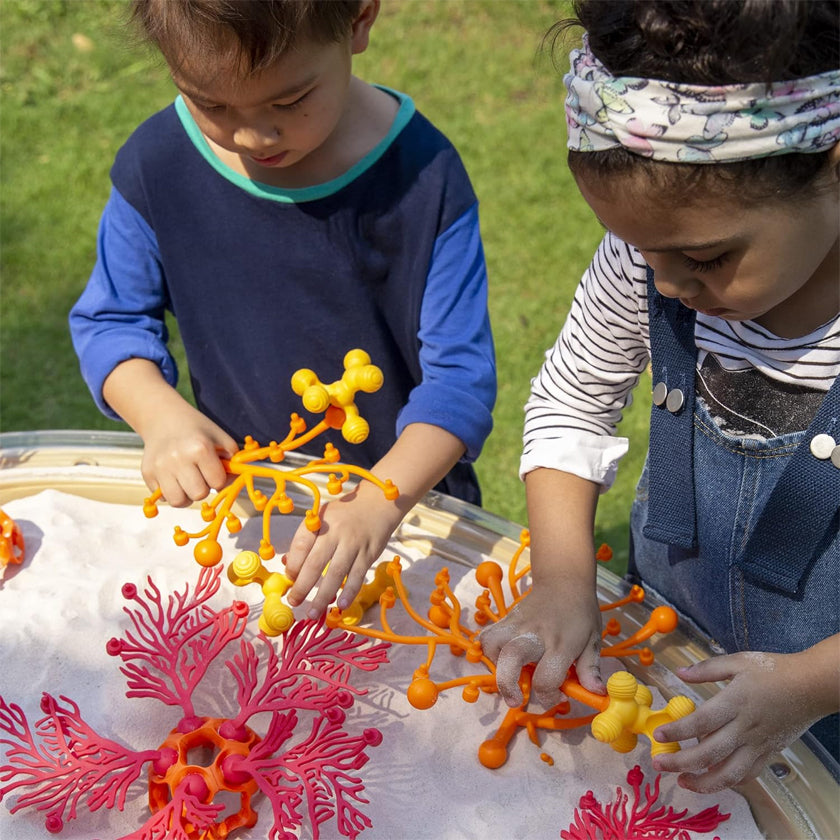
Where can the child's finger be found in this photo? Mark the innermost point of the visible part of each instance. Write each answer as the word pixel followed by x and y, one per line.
pixel 710 670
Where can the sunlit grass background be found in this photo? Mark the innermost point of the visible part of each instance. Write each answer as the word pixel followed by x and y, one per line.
pixel 75 83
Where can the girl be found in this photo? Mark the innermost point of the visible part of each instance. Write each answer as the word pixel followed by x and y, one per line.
pixel 704 136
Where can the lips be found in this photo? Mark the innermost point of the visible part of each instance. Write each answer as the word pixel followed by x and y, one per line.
pixel 269 161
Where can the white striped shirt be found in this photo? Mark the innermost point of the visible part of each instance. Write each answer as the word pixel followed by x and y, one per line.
pixel 586 381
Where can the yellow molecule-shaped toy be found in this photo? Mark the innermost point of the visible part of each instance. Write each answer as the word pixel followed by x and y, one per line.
pixel 628 715
pixel 359 375
pixel 277 617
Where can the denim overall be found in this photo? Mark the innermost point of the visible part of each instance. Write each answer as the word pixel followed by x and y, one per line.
pixel 749 550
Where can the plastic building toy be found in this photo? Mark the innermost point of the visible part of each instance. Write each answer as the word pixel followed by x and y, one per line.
pixel 337 401
pixel 304 762
pixel 594 821
pixel 621 715
pixel 12 545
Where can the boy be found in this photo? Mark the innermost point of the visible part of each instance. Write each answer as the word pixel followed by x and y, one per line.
pixel 286 211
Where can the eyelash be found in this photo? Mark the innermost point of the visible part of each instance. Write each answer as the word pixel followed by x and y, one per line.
pixel 210 109
pixel 706 265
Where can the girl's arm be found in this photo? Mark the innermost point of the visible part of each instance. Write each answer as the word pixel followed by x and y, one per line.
pixel 559 622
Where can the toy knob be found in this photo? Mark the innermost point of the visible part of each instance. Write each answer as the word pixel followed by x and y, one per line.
pixel 422 694
pixel 207 552
pixel 622 685
pixel 245 567
pixel 355 429
pixel 276 618
pixel 355 358
pixel 606 727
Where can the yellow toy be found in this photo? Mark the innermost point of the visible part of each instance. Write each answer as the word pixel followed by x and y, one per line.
pixel 359 375
pixel 628 715
pixel 277 617
pixel 340 412
pixel 622 714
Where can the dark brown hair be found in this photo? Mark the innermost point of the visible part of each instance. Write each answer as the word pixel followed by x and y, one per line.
pixel 255 32
pixel 710 42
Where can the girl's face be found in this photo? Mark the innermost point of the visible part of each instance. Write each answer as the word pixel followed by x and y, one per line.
pixel 777 264
pixel 284 126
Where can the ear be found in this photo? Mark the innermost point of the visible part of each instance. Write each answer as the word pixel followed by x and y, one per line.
pixel 360 35
pixel 834 161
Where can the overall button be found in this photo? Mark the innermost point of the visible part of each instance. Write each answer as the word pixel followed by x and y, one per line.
pixel 822 446
pixel 835 457
pixel 660 392
pixel 675 400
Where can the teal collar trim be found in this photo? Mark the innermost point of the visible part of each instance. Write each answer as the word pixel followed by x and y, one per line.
pixel 294 196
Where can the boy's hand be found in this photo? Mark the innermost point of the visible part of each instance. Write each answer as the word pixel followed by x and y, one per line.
pixel 182 456
pixel 355 529
pixel 772 698
pixel 534 632
pixel 354 532
pixel 182 447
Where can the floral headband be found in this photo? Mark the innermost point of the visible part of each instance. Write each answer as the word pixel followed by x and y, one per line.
pixel 675 122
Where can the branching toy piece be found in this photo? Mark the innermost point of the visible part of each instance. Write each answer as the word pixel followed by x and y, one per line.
pixel 643 821
pixel 64 764
pixel 337 401
pixel 12 545
pixel 623 714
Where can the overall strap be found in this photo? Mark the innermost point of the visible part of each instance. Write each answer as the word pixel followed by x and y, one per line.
pixel 804 503
pixel 671 507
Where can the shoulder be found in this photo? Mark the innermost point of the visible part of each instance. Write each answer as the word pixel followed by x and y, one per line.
pixel 152 137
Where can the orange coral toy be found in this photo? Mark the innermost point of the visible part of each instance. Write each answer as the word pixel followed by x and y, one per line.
pixel 337 401
pixel 12 545
pixel 621 715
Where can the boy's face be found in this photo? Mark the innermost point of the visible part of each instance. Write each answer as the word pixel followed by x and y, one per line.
pixel 776 264
pixel 289 117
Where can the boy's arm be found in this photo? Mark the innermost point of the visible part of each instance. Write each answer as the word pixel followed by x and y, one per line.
pixel 182 447
pixel 356 528
pixel 559 622
pixel 771 699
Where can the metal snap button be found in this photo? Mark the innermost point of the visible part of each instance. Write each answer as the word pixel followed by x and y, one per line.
pixel 675 400
pixel 660 392
pixel 822 446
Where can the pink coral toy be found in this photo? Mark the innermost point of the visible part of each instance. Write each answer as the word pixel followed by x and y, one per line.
pixel 64 764
pixel 643 821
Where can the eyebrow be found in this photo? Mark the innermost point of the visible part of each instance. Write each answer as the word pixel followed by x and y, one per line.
pixel 685 246
pixel 293 90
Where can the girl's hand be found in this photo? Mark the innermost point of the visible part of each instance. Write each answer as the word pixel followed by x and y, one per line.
pixel 771 699
pixel 553 627
pixel 354 532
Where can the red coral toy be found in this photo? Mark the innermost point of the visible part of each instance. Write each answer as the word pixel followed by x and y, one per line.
pixel 593 821
pixel 64 763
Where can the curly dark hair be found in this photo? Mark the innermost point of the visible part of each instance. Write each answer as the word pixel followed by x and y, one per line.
pixel 258 32
pixel 710 42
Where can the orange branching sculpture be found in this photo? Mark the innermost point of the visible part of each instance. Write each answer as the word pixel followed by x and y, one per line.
pixel 337 401
pixel 12 545
pixel 619 717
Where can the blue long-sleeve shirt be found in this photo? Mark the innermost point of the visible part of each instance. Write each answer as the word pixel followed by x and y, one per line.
pixel 263 281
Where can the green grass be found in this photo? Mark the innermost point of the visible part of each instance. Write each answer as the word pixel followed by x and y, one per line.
pixel 474 67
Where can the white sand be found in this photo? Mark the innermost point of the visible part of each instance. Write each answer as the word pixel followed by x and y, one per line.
pixel 424 781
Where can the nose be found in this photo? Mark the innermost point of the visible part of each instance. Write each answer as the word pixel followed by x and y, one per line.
pixel 673 280
pixel 256 136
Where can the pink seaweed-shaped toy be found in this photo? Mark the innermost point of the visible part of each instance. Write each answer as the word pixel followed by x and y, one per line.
pixel 594 821
pixel 63 763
